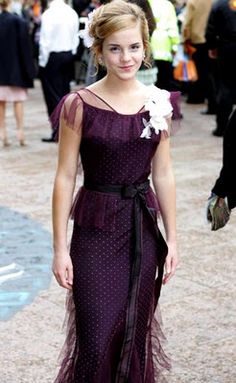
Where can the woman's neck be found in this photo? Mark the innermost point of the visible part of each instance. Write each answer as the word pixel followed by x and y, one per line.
pixel 116 86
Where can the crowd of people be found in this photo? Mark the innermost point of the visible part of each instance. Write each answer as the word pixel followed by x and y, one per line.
pixel 208 26
pixel 118 258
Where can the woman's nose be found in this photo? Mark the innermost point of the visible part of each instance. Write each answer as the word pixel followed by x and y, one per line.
pixel 125 55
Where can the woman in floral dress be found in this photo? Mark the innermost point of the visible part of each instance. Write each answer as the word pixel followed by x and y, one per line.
pixel 118 259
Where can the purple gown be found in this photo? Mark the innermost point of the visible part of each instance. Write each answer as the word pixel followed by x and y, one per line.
pixel 112 334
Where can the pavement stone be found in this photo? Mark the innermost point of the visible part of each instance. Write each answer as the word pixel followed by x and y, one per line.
pixel 198 305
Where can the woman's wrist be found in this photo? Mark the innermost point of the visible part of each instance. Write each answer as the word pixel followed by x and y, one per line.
pixel 60 249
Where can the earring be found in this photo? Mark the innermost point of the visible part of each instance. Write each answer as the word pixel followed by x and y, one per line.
pixel 100 60
pixel 144 55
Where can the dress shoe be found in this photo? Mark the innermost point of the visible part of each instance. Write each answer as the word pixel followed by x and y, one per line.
pixel 50 139
pixel 217 133
pixel 207 112
pixel 22 142
pixel 6 143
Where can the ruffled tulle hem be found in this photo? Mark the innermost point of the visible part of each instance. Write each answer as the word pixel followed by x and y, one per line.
pixel 70 351
pixel 156 362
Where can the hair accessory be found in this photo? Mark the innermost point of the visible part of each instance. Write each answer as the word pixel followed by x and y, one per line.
pixel 84 34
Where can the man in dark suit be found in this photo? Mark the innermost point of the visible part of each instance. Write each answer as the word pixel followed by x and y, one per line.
pixel 221 41
pixel 225 184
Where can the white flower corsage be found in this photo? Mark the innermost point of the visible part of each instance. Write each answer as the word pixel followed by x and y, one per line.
pixel 84 34
pixel 159 107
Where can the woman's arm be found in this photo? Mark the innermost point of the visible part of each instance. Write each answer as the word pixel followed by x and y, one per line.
pixel 69 143
pixel 164 185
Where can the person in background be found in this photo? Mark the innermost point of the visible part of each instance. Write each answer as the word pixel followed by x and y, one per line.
pixel 120 127
pixel 58 44
pixel 91 6
pixel 164 41
pixel 225 187
pixel 193 33
pixel 147 9
pixel 16 68
pixel 221 42
pixel 80 5
pixel 147 75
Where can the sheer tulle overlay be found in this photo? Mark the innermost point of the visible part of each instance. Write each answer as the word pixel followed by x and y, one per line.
pixel 102 246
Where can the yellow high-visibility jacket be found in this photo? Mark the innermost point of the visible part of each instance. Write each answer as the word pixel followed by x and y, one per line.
pixel 165 38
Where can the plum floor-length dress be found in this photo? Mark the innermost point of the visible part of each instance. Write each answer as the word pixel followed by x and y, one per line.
pixel 116 250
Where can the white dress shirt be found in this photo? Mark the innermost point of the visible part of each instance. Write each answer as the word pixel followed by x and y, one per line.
pixel 59 31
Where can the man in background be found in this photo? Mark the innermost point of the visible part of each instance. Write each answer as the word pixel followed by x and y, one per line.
pixel 221 41
pixel 193 33
pixel 58 44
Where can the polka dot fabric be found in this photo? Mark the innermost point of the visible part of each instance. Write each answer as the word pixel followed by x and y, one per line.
pixel 112 152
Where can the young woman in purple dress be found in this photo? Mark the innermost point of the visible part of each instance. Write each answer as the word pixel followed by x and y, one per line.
pixel 118 259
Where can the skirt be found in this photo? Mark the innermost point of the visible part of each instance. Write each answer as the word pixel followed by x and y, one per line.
pixel 98 307
pixel 12 93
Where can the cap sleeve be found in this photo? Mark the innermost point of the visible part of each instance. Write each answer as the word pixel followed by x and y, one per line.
pixel 69 109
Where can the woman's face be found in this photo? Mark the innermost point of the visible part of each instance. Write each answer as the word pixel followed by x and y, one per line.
pixel 123 53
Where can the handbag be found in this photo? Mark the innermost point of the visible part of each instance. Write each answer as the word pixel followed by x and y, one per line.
pixel 184 66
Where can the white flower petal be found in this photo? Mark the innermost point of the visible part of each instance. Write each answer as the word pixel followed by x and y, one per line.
pixel 159 107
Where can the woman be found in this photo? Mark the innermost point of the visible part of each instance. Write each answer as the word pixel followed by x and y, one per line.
pixel 119 127
pixel 16 68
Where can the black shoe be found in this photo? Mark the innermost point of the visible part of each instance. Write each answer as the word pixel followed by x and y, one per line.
pixel 208 112
pixel 217 133
pixel 50 139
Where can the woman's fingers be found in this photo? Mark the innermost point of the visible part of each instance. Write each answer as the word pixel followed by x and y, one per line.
pixel 63 272
pixel 70 275
pixel 170 268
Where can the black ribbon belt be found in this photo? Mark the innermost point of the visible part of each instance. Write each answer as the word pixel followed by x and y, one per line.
pixel 137 193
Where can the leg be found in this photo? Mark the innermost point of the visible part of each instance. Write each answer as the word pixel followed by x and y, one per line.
pixel 213 85
pixel 55 79
pixel 2 123
pixel 225 107
pixel 164 74
pixel 198 90
pixel 19 116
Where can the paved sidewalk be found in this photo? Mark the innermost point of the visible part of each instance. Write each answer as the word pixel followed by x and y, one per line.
pixel 198 305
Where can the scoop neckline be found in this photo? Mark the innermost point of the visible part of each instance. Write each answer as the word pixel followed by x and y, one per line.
pixel 111 107
pixel 114 111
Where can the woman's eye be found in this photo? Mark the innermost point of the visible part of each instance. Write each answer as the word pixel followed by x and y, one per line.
pixel 114 49
pixel 135 47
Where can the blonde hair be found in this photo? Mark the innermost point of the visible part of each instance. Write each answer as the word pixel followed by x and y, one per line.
pixel 112 17
pixel 4 3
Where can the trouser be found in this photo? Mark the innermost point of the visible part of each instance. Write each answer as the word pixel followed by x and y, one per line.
pixel 227 84
pixel 213 84
pixel 197 90
pixel 56 77
pixel 164 74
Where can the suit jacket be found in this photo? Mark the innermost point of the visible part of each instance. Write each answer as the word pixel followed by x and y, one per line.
pixel 225 184
pixel 16 63
pixel 221 28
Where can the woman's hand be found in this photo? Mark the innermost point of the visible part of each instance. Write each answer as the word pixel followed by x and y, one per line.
pixel 63 270
pixel 170 263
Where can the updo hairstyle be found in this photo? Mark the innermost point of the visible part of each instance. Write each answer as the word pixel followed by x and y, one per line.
pixel 113 17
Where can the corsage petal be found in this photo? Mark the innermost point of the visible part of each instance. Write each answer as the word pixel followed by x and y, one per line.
pixel 159 107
